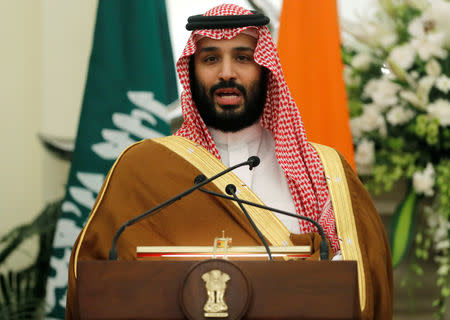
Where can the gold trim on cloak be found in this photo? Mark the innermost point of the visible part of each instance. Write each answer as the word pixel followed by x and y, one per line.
pixel 343 212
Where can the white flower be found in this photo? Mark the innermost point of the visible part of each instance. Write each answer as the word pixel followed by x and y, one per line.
pixel 423 181
pixel 424 88
pixel 430 45
pixel 444 244
pixel 363 33
pixel 443 83
pixel 372 32
pixel 433 68
pixel 439 13
pixel 383 92
pixel 433 20
pixel 416 27
pixel 440 110
pixel 412 98
pixel 420 98
pixel 403 56
pixel 433 220
pixel 361 61
pixel 370 87
pixel 399 115
pixel 442 227
pixel 377 107
pixel 382 127
pixel 372 119
pixel 356 126
pixel 387 39
pixel 443 270
pixel 350 78
pixel 414 74
pixel 365 156
pixel 442 259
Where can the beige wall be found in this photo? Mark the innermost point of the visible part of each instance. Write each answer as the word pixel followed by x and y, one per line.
pixel 45 47
pixel 67 35
pixel 21 111
pixel 67 30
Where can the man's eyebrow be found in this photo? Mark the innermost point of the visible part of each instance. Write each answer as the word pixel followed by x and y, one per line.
pixel 243 49
pixel 211 49
pixel 208 49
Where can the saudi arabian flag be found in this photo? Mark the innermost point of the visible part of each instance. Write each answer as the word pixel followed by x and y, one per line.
pixel 130 84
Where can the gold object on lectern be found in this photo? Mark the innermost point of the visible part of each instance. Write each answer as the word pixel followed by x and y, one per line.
pixel 222 243
pixel 216 284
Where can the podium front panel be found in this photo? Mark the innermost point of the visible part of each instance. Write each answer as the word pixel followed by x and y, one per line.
pixel 277 289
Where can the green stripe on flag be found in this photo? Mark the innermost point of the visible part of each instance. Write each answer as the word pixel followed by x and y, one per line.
pixel 131 81
pixel 403 226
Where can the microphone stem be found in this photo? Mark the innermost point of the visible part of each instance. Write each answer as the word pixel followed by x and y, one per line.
pixel 260 235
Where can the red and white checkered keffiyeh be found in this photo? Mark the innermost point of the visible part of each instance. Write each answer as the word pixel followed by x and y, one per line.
pixel 281 116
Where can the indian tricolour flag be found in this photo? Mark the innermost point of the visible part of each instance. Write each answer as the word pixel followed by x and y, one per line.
pixel 130 84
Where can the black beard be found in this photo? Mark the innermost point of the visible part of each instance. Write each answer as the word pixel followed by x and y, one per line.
pixel 230 120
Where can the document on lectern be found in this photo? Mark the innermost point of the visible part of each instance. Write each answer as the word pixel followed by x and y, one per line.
pixel 233 252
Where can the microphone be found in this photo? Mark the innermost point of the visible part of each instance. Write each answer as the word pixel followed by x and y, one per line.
pixel 324 254
pixel 254 162
pixel 231 190
pixel 202 180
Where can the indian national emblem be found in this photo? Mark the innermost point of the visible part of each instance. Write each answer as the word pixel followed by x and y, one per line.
pixel 216 284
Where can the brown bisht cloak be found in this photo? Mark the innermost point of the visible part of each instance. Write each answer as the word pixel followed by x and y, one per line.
pixel 152 171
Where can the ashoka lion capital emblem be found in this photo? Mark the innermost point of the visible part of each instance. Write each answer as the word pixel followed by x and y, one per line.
pixel 216 284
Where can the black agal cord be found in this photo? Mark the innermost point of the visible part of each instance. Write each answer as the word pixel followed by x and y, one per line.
pixel 224 22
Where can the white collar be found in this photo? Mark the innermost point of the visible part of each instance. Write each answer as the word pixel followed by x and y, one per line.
pixel 240 137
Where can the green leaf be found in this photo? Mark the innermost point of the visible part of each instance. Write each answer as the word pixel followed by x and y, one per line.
pixel 22 292
pixel 436 303
pixel 403 227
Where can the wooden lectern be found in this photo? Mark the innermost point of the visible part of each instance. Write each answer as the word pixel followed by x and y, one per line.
pixel 254 289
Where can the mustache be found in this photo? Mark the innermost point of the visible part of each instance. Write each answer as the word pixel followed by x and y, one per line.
pixel 228 84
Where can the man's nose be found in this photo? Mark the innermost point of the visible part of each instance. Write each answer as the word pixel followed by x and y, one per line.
pixel 227 71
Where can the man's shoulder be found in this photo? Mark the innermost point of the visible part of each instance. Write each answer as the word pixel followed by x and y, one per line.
pixel 328 153
pixel 326 147
pixel 147 146
pixel 137 149
pixel 154 149
pixel 333 160
pixel 141 152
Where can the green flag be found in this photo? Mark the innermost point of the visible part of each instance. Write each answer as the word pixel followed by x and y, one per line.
pixel 131 81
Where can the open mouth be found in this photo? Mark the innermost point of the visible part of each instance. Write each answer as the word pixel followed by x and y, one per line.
pixel 228 96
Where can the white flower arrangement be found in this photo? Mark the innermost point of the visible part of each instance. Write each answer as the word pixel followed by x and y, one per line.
pixel 397 72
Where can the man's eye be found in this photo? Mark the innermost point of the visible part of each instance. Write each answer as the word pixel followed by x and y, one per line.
pixel 210 59
pixel 243 58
